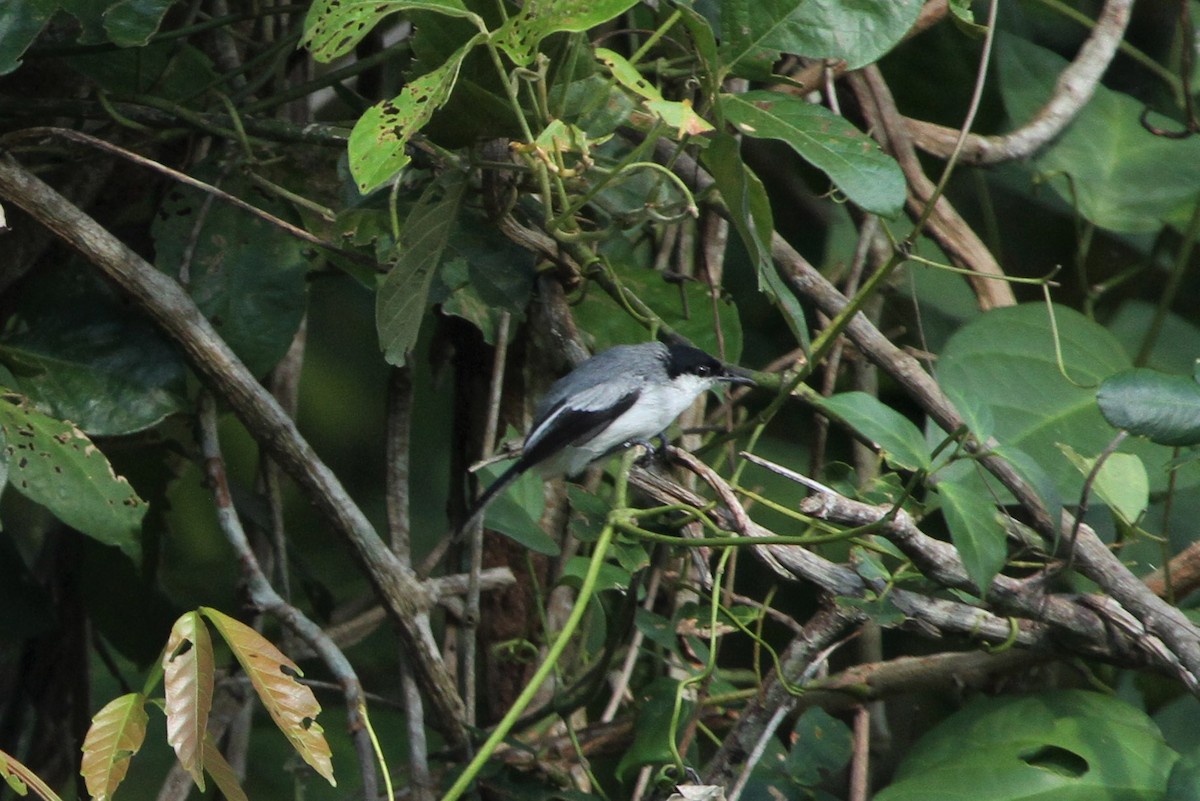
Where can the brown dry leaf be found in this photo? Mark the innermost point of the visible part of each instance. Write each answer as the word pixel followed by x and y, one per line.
pixel 293 706
pixel 188 678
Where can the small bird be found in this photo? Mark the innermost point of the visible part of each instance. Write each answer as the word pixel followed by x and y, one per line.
pixel 619 397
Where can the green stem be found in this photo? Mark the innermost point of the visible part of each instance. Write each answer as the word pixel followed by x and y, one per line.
pixel 586 591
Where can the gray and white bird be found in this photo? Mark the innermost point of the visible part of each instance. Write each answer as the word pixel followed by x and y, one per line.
pixel 624 395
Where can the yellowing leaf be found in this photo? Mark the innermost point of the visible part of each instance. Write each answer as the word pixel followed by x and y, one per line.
pixel 116 734
pixel 188 678
pixel 292 706
pixel 222 772
pixel 21 779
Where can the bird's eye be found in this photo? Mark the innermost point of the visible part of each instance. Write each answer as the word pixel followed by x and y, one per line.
pixel 704 370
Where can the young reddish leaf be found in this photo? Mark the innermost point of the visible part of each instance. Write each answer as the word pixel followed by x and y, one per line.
pixel 22 779
pixel 293 706
pixel 222 772
pixel 188 678
pixel 116 734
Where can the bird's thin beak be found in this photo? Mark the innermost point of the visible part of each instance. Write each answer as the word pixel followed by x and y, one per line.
pixel 734 375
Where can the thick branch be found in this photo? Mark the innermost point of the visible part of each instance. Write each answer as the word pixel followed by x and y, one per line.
pixel 1072 91
pixel 168 305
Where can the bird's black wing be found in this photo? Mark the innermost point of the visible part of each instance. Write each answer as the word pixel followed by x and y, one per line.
pixel 569 426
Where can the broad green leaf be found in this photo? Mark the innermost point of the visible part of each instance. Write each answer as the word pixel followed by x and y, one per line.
pixel 756 32
pixel 1178 337
pixel 80 355
pixel 1161 407
pixel 516 511
pixel 131 23
pixel 187 664
pixel 1006 360
pixel 652 734
pixel 1120 175
pixel 403 293
pixel 821 747
pixel 333 27
pixel 483 274
pixel 611 577
pixel 21 779
pixel 853 161
pixel 55 464
pixel 688 307
pixel 291 704
pixel 116 734
pixel 1066 745
pixel 976 531
pixel 750 210
pixel 521 33
pixel 1121 483
pixel 378 141
pixel 20 24
pixel 245 274
pixel 901 441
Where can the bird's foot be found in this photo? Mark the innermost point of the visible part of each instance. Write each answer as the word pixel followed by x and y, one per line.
pixel 651 450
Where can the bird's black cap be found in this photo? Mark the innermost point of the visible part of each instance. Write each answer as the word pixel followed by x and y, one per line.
pixel 685 360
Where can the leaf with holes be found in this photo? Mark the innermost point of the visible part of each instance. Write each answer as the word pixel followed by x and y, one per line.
pixel 292 705
pixel 852 160
pixel 333 27
pixel 21 779
pixel 521 33
pixel 116 734
pixel 404 291
pixel 378 141
pixel 1066 745
pixel 188 679
pixel 53 463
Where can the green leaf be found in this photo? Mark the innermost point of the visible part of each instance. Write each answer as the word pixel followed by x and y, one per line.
pixel 20 24
pixel 900 440
pixel 1163 408
pixel 1121 483
pixel 80 355
pixel 245 274
pixel 333 27
pixel 516 511
pixel 55 464
pixel 653 732
pixel 821 747
pixel 976 531
pixel 1006 359
pixel 757 31
pixel 378 141
pixel 1066 745
pixel 688 307
pixel 131 23
pixel 610 576
pixel 116 734
pixel 750 211
pixel 521 33
pixel 401 300
pixel 1120 175
pixel 853 161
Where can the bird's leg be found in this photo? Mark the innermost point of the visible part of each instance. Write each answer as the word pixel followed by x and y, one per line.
pixel 651 449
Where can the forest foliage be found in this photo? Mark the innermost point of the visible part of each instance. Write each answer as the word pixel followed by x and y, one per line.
pixel 275 277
